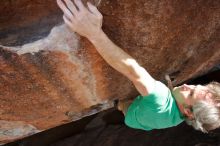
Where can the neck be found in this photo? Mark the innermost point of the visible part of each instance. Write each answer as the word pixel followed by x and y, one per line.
pixel 179 105
pixel 181 109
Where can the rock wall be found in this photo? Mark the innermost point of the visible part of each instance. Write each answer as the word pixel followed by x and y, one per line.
pixel 50 76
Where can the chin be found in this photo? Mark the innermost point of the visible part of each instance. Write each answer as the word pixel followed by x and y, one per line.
pixel 175 89
pixel 176 93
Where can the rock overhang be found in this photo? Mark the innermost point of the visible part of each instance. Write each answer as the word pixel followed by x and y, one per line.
pixel 51 76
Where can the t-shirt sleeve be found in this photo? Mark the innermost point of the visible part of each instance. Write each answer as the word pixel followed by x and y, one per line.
pixel 159 96
pixel 140 114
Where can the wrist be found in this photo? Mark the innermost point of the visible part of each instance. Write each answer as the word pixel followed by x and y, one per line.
pixel 97 37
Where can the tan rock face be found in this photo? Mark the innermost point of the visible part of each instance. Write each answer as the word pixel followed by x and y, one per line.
pixel 51 77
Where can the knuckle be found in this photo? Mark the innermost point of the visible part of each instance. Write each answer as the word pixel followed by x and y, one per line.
pixel 72 19
pixel 80 19
pixel 84 13
pixel 81 15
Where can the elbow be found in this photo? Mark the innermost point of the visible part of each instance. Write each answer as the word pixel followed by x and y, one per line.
pixel 132 75
pixel 132 69
pixel 143 82
pixel 136 73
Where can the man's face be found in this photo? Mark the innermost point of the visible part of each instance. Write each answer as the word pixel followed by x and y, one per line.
pixel 187 95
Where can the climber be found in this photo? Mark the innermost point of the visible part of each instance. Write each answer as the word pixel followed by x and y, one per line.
pixel 157 106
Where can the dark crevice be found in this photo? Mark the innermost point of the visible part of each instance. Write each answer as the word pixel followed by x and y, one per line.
pixel 30 33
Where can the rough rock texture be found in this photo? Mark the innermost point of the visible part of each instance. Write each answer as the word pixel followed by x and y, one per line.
pixel 11 130
pixel 48 78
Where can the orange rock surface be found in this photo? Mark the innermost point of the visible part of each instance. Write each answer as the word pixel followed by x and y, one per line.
pixel 50 76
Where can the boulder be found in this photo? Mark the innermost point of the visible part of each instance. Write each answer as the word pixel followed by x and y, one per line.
pixel 50 76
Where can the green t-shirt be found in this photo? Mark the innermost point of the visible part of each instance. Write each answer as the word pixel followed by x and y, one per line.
pixel 156 111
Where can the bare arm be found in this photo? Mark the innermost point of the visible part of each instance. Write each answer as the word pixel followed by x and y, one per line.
pixel 88 23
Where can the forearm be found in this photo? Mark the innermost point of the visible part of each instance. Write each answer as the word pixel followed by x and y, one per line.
pixel 88 22
pixel 115 56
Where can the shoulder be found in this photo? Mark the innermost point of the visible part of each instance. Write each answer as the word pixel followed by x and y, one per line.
pixel 159 95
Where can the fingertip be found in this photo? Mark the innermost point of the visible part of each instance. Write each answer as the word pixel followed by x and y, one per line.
pixel 66 1
pixel 90 4
pixel 58 1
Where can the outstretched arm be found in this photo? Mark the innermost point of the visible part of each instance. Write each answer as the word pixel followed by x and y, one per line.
pixel 88 22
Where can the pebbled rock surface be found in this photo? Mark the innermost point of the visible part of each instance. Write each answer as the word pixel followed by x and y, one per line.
pixel 50 76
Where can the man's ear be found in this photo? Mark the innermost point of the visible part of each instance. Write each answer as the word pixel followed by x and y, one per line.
pixel 188 113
